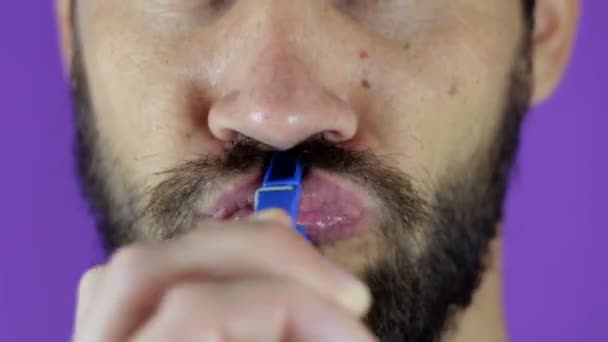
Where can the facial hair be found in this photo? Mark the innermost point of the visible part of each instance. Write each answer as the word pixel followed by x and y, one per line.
pixel 417 292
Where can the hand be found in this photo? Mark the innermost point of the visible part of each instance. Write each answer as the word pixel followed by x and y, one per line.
pixel 254 280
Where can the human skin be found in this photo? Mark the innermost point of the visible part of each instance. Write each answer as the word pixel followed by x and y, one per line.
pixel 422 81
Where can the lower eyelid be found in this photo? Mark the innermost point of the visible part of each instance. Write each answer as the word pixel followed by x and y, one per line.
pixel 182 5
pixel 196 12
pixel 220 5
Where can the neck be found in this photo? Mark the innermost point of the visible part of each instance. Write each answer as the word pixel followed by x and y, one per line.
pixel 483 321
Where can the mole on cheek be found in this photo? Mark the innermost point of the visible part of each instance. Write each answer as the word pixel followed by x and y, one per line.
pixel 363 54
pixel 453 90
pixel 365 84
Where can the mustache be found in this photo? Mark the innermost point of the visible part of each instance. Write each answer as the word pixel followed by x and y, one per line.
pixel 173 200
pixel 246 153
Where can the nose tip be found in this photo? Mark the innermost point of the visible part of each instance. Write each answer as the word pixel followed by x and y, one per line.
pixel 280 105
pixel 281 126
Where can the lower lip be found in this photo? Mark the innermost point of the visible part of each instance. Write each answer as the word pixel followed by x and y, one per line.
pixel 320 226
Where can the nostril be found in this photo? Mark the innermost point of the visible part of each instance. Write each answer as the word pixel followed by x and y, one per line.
pixel 333 136
pixel 226 134
pixel 222 115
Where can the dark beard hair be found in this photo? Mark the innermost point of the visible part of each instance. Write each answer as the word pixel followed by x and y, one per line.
pixel 464 214
pixel 417 291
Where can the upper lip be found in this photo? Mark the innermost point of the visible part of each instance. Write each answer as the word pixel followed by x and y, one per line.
pixel 331 207
pixel 234 196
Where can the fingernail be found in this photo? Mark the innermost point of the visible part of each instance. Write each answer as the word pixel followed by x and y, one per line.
pixel 351 293
pixel 277 215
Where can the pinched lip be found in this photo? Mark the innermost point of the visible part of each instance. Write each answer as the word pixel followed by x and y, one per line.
pixel 331 208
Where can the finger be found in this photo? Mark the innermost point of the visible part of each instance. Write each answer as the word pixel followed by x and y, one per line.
pixel 87 288
pixel 269 247
pixel 138 275
pixel 250 311
pixel 272 215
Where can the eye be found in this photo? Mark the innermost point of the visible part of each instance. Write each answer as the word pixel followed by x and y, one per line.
pixel 356 3
pixel 219 5
pixel 356 8
pixel 183 5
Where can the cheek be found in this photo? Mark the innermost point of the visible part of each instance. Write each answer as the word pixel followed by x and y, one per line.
pixel 444 95
pixel 144 105
pixel 138 117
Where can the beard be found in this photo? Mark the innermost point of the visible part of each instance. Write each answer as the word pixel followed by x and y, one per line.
pixel 435 249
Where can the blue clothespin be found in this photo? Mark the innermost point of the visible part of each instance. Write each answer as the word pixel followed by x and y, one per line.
pixel 282 187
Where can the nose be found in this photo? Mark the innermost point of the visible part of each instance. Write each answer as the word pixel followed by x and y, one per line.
pixel 279 103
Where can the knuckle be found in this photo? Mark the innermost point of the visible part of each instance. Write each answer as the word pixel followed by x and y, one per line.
pixel 127 265
pixel 281 297
pixel 129 258
pixel 208 333
pixel 297 298
pixel 205 333
pixel 182 296
pixel 183 309
pixel 90 278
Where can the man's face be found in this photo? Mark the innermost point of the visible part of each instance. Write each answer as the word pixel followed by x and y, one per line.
pixel 405 110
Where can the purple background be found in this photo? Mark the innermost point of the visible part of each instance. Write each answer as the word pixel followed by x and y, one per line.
pixel 556 231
